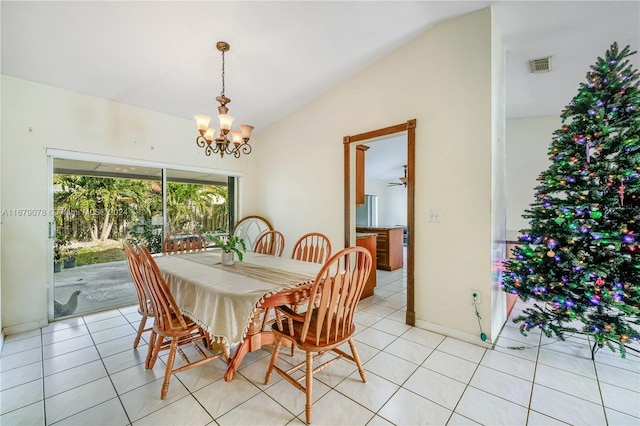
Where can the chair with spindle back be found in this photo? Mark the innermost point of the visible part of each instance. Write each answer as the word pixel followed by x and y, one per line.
pixel 270 242
pixel 171 329
pixel 312 247
pixel 184 241
pixel 145 307
pixel 328 321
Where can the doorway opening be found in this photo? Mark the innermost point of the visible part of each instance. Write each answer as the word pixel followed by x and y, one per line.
pixel 406 133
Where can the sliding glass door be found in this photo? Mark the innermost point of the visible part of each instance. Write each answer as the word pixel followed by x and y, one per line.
pixel 98 206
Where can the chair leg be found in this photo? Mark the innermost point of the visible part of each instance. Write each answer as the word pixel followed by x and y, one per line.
pixel 143 322
pixel 167 373
pixel 156 351
pixel 309 386
pixel 152 344
pixel 354 352
pixel 274 357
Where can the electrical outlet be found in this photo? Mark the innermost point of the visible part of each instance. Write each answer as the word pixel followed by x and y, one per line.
pixel 435 215
pixel 475 297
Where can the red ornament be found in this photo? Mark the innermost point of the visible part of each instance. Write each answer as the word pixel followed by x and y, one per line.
pixel 600 282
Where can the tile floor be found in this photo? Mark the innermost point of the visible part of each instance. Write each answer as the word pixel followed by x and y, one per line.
pixel 83 371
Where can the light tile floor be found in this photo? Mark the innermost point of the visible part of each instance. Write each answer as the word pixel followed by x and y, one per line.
pixel 83 371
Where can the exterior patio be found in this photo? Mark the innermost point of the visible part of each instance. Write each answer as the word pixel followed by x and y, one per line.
pixel 102 286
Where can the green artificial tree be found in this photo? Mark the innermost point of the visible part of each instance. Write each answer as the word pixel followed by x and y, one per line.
pixel 580 259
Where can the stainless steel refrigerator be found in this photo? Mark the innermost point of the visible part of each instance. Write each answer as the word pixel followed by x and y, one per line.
pixel 367 213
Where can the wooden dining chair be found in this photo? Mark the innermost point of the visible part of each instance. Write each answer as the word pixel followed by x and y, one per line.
pixel 312 247
pixel 171 328
pixel 145 307
pixel 328 321
pixel 249 228
pixel 270 242
pixel 184 241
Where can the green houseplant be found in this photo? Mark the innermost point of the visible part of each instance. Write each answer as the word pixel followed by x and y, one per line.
pixel 59 245
pixel 229 245
pixel 69 257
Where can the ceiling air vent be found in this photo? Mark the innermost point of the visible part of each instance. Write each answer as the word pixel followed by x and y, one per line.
pixel 540 65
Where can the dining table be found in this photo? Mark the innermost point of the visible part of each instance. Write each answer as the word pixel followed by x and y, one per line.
pixel 230 301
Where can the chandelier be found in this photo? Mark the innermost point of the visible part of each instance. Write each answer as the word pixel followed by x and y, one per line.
pixel 222 144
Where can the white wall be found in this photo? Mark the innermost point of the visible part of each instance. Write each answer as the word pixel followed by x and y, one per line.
pixel 392 202
pixel 1 219
pixel 498 179
pixel 528 140
pixel 75 122
pixel 396 205
pixel 443 78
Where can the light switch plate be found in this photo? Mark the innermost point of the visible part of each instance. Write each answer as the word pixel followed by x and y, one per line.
pixel 435 215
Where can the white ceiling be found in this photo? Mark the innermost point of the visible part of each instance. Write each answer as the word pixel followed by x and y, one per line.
pixel 161 55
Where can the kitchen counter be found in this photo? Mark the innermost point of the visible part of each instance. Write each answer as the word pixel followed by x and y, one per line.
pixel 389 245
pixel 368 240
pixel 365 235
pixel 377 228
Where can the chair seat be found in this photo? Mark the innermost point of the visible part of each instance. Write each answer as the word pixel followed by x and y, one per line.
pixel 177 328
pixel 324 341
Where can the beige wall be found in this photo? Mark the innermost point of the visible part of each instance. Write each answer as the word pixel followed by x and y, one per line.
pixel 67 121
pixel 294 177
pixel 443 78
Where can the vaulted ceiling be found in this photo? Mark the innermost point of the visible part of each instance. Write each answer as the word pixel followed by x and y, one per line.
pixel 161 55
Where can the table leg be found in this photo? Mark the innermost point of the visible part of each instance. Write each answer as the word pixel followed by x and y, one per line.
pixel 256 338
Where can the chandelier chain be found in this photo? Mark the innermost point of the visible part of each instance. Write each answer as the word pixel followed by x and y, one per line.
pixel 222 94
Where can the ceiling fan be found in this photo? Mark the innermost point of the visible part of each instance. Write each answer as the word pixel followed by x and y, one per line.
pixel 403 180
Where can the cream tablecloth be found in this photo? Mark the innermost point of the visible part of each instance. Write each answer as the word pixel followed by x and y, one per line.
pixel 224 298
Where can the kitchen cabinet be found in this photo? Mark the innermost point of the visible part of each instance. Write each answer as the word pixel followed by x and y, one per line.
pixel 389 246
pixel 360 150
pixel 368 241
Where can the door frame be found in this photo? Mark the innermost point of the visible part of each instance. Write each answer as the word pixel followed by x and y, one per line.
pixel 348 141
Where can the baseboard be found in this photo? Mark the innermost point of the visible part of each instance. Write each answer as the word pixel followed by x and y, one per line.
pixel 21 328
pixel 460 335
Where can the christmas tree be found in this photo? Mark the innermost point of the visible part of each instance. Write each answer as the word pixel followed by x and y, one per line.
pixel 580 259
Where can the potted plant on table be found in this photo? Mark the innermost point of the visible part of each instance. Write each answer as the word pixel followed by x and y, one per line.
pixel 230 246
